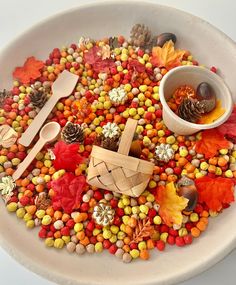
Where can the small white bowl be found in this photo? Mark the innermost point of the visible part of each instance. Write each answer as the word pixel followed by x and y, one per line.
pixel 193 76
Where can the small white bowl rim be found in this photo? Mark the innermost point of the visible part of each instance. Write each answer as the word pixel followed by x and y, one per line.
pixel 216 77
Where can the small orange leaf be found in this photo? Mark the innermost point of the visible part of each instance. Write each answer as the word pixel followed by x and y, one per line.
pixel 215 192
pixel 30 70
pixel 210 143
pixel 171 205
pixel 167 56
pixel 212 116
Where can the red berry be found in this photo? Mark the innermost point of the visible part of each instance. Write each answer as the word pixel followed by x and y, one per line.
pixel 113 248
pixel 160 245
pixel 179 241
pixel 84 207
pixel 70 223
pixel 65 231
pixel 24 200
pixel 88 233
pixel 152 213
pixel 97 195
pixel 173 232
pixel 164 229
pixel 171 240
pixel 90 226
pixel 120 212
pixel 106 243
pixel 213 69
pixel 52 228
pixel 188 239
pixel 93 240
pixel 113 203
pixel 117 221
pixel 50 234
pixel 133 246
pixel 148 116
pixel 42 233
pixel 11 155
pixel 21 155
pixel 177 170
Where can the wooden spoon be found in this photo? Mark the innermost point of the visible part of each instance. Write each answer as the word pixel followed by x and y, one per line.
pixel 62 87
pixel 47 134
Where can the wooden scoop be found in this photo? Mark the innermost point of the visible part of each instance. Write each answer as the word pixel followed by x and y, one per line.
pixel 47 134
pixel 62 87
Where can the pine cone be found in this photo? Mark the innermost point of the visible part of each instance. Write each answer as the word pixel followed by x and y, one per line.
pixel 38 98
pixel 72 133
pixel 190 110
pixel 110 143
pixel 140 36
pixel 3 95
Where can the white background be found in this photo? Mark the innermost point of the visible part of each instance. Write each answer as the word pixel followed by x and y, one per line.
pixel 18 15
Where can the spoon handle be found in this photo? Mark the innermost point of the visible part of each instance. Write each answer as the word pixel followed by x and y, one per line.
pixel 38 121
pixel 29 158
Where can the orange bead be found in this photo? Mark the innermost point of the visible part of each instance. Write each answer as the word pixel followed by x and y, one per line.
pixel 126 248
pixel 222 161
pixel 212 168
pixel 65 218
pixel 27 192
pixel 39 188
pixel 163 176
pixel 126 240
pixel 44 170
pixel 9 171
pixel 57 234
pixel 25 182
pixel 189 167
pixel 50 211
pixel 150 244
pixel 13 148
pixel 57 215
pixel 31 209
pixel 201 226
pixel 144 254
pixel 195 232
pixel 214 160
pixel 142 200
pixel 182 161
pixel 80 235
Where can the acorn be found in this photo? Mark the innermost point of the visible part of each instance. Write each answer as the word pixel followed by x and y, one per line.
pixel 206 95
pixel 135 149
pixel 187 189
pixel 165 37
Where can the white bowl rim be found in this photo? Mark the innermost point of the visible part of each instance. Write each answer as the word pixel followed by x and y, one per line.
pixel 23 259
pixel 216 77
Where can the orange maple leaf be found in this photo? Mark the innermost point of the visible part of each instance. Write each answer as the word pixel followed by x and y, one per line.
pixel 215 192
pixel 171 205
pixel 210 143
pixel 30 70
pixel 167 56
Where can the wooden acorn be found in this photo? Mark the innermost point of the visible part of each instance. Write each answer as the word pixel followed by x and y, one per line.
pixel 187 189
pixel 206 95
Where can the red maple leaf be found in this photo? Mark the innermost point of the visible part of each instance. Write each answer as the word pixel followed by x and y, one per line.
pixel 30 70
pixel 68 191
pixel 215 192
pixel 136 65
pixel 94 57
pixel 210 143
pixel 67 156
pixel 229 127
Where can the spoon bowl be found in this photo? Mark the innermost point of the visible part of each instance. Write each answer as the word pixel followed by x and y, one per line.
pixel 50 131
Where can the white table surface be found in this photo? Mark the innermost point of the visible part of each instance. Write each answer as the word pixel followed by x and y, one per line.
pixel 17 15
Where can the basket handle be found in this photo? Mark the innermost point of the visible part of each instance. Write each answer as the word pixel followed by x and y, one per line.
pixel 127 136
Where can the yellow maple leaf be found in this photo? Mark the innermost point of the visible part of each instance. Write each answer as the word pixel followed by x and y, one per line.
pixel 212 116
pixel 167 56
pixel 171 205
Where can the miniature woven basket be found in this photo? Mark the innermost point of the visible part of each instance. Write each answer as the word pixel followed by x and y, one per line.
pixel 117 171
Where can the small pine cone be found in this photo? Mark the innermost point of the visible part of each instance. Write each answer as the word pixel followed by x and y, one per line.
pixel 140 36
pixel 72 133
pixel 3 95
pixel 109 143
pixel 190 110
pixel 38 98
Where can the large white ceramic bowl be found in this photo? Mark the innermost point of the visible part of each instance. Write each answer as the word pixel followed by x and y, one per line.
pixel 99 20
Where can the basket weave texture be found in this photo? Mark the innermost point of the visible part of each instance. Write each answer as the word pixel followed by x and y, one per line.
pixel 119 172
